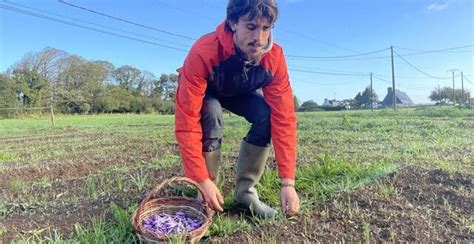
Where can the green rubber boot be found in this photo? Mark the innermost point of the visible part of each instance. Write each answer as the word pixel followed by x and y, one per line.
pixel 249 170
pixel 213 164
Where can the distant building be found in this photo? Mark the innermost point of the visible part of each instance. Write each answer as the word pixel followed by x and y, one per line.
pixel 331 103
pixel 402 99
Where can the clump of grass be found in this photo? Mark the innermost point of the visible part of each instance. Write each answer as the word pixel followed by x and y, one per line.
pixel 116 230
pixel 224 225
pixel 139 180
pixel 318 181
pixel 19 185
pixel 5 156
pixel 387 190
pixel 167 160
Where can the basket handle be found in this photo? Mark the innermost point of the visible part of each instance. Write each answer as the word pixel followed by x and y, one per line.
pixel 167 182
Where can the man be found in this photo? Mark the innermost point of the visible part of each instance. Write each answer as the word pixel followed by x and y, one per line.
pixel 229 69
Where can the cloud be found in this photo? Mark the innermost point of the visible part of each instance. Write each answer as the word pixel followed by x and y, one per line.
pixel 435 7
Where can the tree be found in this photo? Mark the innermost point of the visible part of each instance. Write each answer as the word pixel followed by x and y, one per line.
pixel 366 98
pixel 8 94
pixel 127 77
pixel 33 90
pixel 309 106
pixel 167 86
pixel 445 95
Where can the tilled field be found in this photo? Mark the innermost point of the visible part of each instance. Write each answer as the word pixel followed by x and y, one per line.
pixel 56 180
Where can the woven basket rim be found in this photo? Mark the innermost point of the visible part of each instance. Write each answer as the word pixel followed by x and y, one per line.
pixel 199 207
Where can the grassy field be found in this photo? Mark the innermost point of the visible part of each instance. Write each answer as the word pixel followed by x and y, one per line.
pixel 362 176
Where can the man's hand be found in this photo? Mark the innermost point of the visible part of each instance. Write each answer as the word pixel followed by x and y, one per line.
pixel 212 195
pixel 290 203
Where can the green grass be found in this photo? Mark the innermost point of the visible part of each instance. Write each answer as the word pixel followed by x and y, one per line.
pixel 116 230
pixel 337 152
pixel 318 181
pixel 5 156
pixel 224 225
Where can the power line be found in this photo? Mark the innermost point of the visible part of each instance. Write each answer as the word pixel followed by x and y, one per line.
pixel 86 27
pixel 126 21
pixel 468 80
pixel 326 73
pixel 434 51
pixel 342 58
pixel 336 57
pixel 95 24
pixel 419 78
pixel 319 83
pixel 418 69
pixel 328 70
pixel 382 79
pixel 320 41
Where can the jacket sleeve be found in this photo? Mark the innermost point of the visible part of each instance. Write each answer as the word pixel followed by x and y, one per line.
pixel 188 102
pixel 279 96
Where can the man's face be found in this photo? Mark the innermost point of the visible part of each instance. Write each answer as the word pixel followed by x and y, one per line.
pixel 251 36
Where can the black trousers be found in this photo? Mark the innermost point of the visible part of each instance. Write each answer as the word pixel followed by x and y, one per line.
pixel 251 106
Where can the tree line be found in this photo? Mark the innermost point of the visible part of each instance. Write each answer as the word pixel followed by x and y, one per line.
pixel 72 84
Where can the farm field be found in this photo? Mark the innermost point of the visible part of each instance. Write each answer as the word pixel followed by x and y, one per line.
pixel 362 176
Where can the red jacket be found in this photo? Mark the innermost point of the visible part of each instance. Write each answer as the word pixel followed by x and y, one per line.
pixel 196 76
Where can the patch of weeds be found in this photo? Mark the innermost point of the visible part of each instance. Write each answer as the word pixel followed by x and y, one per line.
pixel 139 180
pixel 5 156
pixel 43 182
pixel 2 231
pixel 366 233
pixel 320 180
pixel 91 188
pixel 446 203
pixel 117 230
pixel 224 225
pixel 10 208
pixel 19 185
pixel 167 161
pixel 450 168
pixel 120 182
pixel 387 190
pixel 229 200
pixel 346 123
pixel 267 238
pixel 269 187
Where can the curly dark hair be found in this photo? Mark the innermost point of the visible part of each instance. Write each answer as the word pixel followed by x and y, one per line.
pixel 254 8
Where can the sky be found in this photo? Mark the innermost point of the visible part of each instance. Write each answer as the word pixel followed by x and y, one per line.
pixel 327 42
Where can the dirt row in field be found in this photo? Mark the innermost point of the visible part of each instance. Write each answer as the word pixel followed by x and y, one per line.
pixel 413 204
pixel 84 163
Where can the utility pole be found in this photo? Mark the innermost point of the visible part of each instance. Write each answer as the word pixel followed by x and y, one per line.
pixel 371 94
pixel 394 98
pixel 454 91
pixel 462 89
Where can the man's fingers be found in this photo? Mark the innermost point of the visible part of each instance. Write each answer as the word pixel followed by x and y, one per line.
pixel 284 206
pixel 220 198
pixel 216 204
pixel 294 206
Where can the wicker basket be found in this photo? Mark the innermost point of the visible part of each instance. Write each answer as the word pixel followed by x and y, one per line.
pixel 159 200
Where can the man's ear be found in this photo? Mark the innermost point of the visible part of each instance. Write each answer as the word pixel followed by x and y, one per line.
pixel 232 25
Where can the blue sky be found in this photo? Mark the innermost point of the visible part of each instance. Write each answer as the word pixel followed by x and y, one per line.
pixel 312 28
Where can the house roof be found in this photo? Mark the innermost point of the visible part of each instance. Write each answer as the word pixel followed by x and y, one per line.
pixel 401 97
